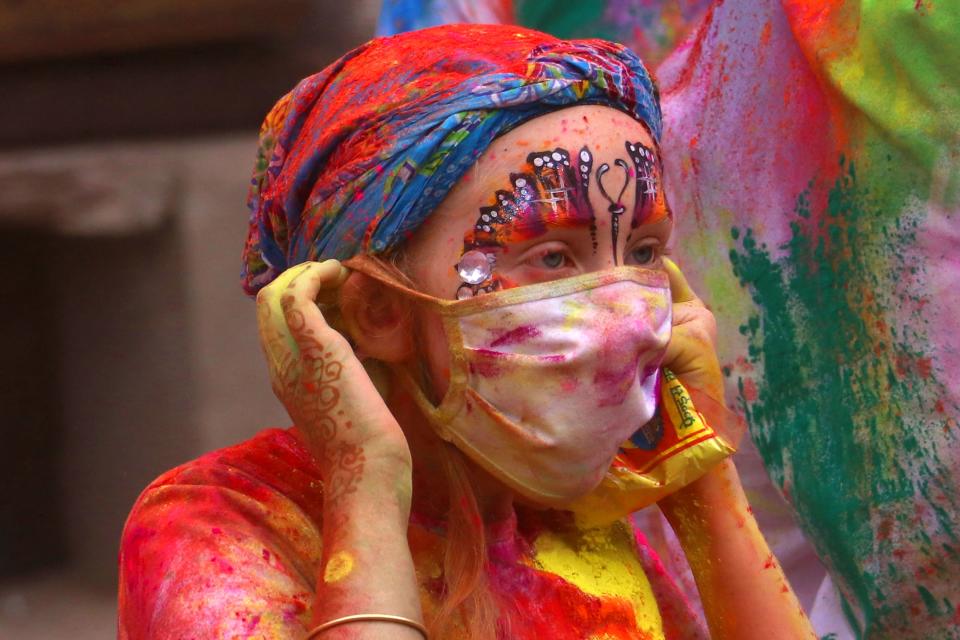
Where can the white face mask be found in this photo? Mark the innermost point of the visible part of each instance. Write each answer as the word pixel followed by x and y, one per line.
pixel 548 380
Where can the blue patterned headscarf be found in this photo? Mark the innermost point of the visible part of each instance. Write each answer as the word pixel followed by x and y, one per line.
pixel 357 156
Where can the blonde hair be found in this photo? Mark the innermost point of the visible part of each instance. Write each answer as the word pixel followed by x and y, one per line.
pixel 467 592
pixel 468 607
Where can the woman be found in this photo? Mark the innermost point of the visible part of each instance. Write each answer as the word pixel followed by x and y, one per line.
pixel 496 195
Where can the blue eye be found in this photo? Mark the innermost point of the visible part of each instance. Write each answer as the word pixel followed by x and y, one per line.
pixel 643 255
pixel 553 259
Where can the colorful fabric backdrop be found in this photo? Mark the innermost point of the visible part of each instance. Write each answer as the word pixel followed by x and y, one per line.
pixel 651 28
pixel 812 157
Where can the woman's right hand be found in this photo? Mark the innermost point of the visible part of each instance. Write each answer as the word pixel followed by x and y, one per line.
pixel 322 384
pixel 361 451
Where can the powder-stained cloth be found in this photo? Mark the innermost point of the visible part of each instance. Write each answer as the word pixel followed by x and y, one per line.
pixel 228 546
pixel 651 28
pixel 357 156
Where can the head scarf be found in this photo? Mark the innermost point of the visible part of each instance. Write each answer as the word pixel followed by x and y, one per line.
pixel 357 156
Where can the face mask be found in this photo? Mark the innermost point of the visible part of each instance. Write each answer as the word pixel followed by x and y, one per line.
pixel 548 380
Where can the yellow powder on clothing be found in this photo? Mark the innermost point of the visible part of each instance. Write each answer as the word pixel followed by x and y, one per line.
pixel 602 562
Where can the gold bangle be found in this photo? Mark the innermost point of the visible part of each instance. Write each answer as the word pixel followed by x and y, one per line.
pixel 368 617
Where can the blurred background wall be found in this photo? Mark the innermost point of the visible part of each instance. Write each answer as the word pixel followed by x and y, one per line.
pixel 127 138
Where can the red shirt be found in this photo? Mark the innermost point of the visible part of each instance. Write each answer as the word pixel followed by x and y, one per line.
pixel 227 546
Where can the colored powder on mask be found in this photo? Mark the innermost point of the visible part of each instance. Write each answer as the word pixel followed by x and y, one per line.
pixel 845 398
pixel 611 385
pixel 489 363
pixel 515 336
pixel 574 311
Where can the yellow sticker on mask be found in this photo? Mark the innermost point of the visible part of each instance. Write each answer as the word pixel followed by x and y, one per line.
pixel 672 450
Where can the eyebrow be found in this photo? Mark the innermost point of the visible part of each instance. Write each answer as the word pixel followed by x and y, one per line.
pixel 550 191
pixel 553 191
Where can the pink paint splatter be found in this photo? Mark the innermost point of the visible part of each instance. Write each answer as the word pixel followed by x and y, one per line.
pixel 516 336
pixel 613 384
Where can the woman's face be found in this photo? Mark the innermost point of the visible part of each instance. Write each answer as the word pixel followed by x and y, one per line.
pixel 570 192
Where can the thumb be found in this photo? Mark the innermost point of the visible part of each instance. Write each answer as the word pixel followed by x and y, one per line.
pixel 679 288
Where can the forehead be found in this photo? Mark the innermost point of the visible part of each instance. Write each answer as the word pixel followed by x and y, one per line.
pixel 602 129
pixel 603 132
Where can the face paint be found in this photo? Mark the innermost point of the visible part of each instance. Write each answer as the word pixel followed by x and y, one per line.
pixel 552 192
pixel 616 208
pixel 650 204
pixel 549 194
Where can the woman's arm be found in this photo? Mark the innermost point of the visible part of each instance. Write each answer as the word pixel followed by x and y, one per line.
pixel 366 566
pixel 744 591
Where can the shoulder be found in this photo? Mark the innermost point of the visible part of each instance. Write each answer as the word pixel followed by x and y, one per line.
pixel 224 542
pixel 273 464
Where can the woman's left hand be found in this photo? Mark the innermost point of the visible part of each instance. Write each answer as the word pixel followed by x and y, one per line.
pixel 691 354
pixel 743 589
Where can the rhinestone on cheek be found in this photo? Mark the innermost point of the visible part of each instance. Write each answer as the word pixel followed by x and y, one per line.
pixel 474 267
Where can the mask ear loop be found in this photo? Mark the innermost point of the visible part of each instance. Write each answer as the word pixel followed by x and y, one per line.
pixel 454 399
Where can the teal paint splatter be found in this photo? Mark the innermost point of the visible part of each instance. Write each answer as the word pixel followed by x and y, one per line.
pixel 651 29
pixel 846 399
pixel 583 19
pixel 932 606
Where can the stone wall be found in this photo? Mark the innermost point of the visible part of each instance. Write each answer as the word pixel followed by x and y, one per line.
pixel 150 354
pixel 130 347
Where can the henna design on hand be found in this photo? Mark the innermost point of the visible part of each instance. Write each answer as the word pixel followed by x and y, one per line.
pixel 313 385
pixel 306 377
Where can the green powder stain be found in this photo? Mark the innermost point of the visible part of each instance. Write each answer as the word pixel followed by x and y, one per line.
pixel 581 19
pixel 725 298
pixel 845 400
pixel 931 603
